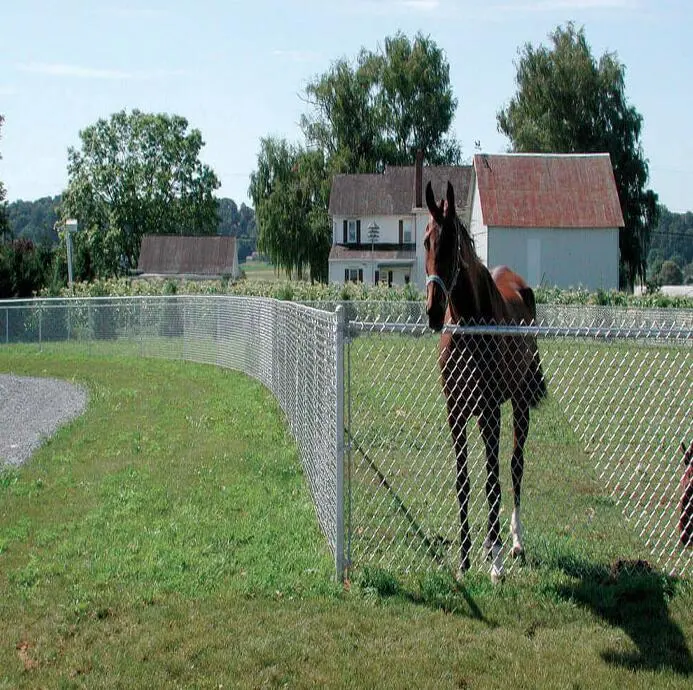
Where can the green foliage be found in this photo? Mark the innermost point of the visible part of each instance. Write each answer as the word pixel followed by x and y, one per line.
pixel 136 174
pixel 25 269
pixel 569 102
pixel 290 193
pixel 5 228
pixel 378 111
pixel 670 273
pixel 383 107
pixel 238 223
pixel 35 220
pixel 303 291
pixel 672 240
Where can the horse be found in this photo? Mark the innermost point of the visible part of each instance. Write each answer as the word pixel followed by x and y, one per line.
pixel 686 502
pixel 481 371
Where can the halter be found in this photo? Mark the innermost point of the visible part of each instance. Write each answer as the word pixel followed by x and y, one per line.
pixel 435 278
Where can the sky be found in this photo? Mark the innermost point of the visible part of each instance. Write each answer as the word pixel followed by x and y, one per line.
pixel 236 70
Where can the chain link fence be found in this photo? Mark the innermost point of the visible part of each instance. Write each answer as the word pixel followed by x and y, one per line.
pixel 290 348
pixel 603 461
pixel 603 467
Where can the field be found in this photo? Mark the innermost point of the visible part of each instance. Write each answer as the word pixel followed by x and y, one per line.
pixel 166 539
pixel 260 270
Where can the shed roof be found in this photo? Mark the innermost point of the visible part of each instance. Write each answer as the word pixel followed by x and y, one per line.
pixel 548 190
pixel 392 192
pixel 181 254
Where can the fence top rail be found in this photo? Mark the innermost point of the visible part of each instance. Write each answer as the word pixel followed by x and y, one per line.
pixel 595 332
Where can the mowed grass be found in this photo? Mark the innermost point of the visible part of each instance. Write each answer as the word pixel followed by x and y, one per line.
pixel 166 539
pixel 260 270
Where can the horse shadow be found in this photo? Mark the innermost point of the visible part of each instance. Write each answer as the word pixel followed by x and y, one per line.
pixel 631 596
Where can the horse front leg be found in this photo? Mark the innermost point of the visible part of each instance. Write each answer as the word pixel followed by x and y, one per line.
pixel 489 425
pixel 517 465
pixel 459 434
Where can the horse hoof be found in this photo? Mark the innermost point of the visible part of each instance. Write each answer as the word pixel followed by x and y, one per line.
pixel 517 552
pixel 497 575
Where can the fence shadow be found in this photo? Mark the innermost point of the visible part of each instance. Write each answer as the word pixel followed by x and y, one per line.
pixel 631 596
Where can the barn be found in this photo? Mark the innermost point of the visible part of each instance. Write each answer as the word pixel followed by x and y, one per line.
pixel 184 256
pixel 554 218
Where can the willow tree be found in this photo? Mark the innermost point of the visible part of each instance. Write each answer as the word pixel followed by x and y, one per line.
pixel 290 196
pixel 567 101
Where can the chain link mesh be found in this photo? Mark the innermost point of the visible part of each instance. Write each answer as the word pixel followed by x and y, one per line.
pixel 604 471
pixel 603 462
pixel 290 348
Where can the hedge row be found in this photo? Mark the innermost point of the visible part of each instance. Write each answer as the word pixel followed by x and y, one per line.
pixel 303 291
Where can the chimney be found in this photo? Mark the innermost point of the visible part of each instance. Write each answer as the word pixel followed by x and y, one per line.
pixel 418 180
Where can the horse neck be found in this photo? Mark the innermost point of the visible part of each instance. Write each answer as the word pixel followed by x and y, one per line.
pixel 474 297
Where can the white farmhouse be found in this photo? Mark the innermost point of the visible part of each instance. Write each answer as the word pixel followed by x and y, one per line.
pixel 389 209
pixel 552 218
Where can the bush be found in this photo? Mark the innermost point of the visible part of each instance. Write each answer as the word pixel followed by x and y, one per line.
pixel 351 292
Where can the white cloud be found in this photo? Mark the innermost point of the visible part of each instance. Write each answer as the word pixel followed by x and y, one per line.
pixel 55 69
pixel 296 55
pixel 553 5
pixel 392 7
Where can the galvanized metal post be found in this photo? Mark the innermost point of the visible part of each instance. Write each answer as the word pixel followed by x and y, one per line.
pixel 339 442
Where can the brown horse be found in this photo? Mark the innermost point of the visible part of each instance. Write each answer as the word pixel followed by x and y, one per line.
pixel 481 371
pixel 686 502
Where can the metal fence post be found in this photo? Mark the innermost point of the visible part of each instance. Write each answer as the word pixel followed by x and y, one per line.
pixel 339 442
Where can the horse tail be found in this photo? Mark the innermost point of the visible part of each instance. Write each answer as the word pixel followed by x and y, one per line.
pixel 535 390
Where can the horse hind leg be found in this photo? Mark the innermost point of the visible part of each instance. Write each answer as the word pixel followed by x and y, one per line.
pixel 517 463
pixel 489 424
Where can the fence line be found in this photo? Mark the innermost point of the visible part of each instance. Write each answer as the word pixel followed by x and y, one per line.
pixel 361 391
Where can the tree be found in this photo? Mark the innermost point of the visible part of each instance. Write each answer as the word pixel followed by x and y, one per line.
pixel 385 106
pixel 289 190
pixel 670 273
pixel 568 102
pixel 5 233
pixel 137 174
pixel 238 223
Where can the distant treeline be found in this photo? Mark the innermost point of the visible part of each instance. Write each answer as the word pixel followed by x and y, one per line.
pixel 670 260
pixel 35 221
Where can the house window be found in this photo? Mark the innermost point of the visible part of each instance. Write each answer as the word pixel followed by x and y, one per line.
pixel 353 275
pixel 389 278
pixel 406 232
pixel 351 232
pixel 406 279
pixel 376 280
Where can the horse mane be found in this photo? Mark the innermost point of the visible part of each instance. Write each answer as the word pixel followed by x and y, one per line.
pixel 488 302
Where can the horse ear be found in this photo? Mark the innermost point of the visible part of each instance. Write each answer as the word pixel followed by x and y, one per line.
pixel 450 197
pixel 431 202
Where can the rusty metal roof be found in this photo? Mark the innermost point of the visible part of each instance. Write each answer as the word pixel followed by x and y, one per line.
pixel 392 192
pixel 180 254
pixel 548 190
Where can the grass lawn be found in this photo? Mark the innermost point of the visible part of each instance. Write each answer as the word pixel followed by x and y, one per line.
pixel 166 539
pixel 259 270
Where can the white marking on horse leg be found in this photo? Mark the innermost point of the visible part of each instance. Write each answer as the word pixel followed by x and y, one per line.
pixel 516 532
pixel 497 570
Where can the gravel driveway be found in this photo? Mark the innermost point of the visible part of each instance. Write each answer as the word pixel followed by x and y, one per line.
pixel 31 410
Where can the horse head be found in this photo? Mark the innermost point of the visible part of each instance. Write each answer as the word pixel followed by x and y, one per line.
pixel 441 256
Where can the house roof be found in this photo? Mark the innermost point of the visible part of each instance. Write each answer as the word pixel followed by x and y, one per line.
pixel 392 192
pixel 179 254
pixel 548 190
pixel 342 253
